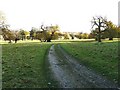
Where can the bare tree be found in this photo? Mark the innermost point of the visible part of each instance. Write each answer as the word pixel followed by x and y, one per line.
pixel 100 24
pixel 49 32
pixel 44 29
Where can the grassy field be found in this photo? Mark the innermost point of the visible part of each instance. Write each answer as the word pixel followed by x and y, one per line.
pixel 23 65
pixel 101 57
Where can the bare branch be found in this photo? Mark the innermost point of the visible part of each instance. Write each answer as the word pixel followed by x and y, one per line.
pixel 42 28
pixel 94 21
pixel 93 26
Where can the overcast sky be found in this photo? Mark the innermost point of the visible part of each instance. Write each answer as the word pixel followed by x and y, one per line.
pixel 70 15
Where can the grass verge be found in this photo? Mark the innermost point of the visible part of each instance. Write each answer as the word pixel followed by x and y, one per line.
pixel 23 65
pixel 101 57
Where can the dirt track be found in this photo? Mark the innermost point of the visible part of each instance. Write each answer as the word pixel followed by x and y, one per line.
pixel 71 74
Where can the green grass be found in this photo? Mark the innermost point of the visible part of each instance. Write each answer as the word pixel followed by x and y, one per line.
pixel 23 65
pixel 101 57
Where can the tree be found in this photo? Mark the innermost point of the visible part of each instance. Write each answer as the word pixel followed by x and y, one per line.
pixel 32 33
pixel 54 32
pixel 6 33
pixel 66 36
pixel 9 35
pixel 118 31
pixel 72 35
pixel 84 36
pixel 47 33
pixel 91 35
pixel 100 24
pixel 22 34
pixel 4 29
pixel 2 23
pixel 110 31
pixel 55 36
pixel 79 35
pixel 3 26
pixel 40 36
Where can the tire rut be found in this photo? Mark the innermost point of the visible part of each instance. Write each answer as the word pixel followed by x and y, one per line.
pixel 71 74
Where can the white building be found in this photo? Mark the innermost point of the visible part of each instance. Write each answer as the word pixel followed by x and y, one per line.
pixel 1 37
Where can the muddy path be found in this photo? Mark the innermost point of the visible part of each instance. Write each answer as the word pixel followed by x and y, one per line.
pixel 71 74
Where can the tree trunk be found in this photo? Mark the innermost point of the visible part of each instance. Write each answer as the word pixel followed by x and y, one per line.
pixel 32 37
pixel 96 39
pixel 99 32
pixel 16 40
pixel 99 37
pixel 9 41
pixel 22 37
pixel 111 38
pixel 49 40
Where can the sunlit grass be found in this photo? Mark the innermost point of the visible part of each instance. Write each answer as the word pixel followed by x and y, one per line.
pixel 20 41
pixel 101 57
pixel 24 62
pixel 23 65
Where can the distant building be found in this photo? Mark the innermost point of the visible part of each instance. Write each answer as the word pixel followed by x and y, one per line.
pixel 1 37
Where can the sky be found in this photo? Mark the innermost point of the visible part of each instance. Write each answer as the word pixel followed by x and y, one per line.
pixel 70 15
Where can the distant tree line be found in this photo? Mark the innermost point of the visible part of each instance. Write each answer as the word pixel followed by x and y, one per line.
pixel 101 29
pixel 48 33
pixel 45 34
